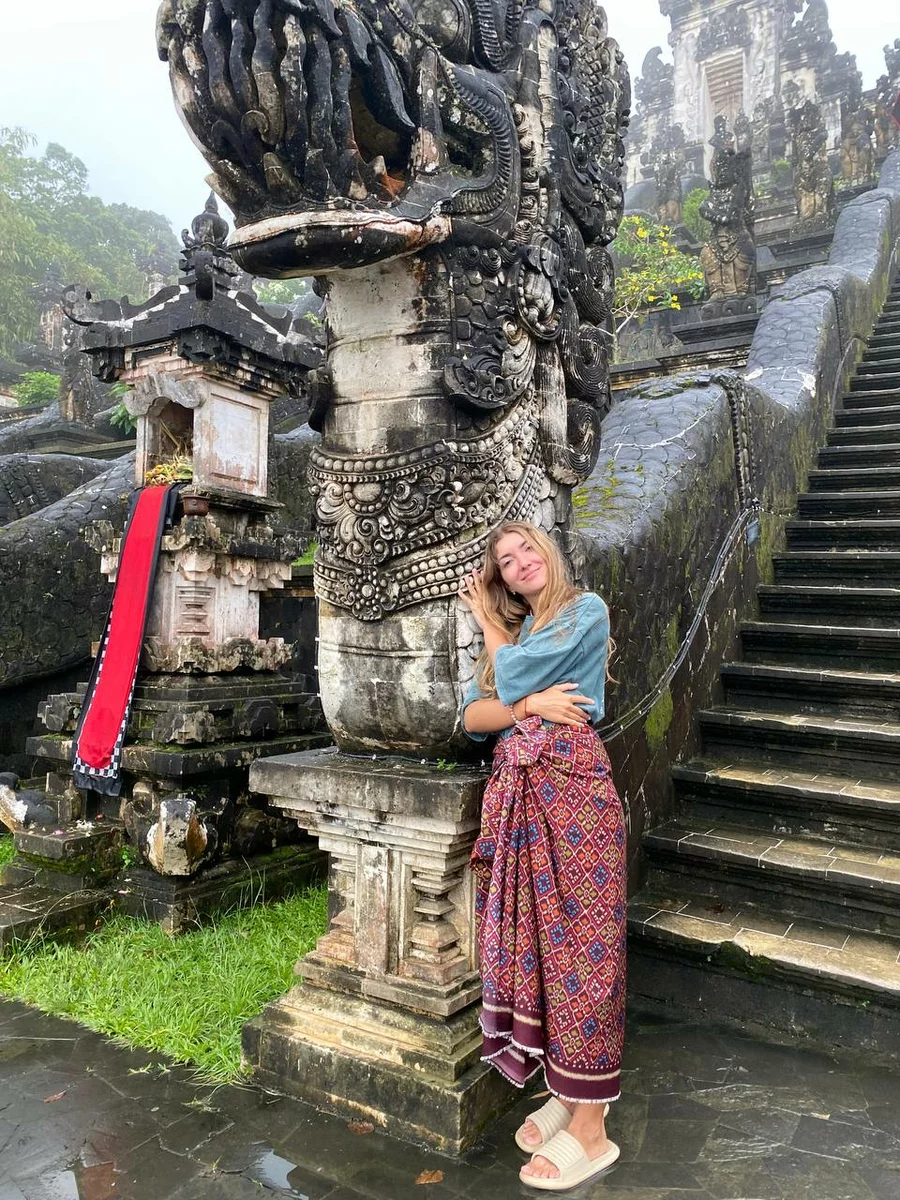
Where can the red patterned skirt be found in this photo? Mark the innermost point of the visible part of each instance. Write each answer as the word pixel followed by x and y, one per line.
pixel 550 905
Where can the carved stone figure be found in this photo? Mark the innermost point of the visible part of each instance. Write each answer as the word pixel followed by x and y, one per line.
pixel 729 257
pixel 654 86
pixel 743 132
pixel 464 160
pixel 813 182
pixel 857 155
pixel 669 155
pixel 722 31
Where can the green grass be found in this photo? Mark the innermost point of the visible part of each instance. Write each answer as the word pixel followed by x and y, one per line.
pixel 185 997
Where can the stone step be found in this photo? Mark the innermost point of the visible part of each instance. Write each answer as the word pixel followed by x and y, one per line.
pixel 864 435
pixel 784 687
pixel 862 479
pixel 882 348
pixel 879 414
pixel 29 911
pixel 784 801
pixel 878 366
pixel 852 648
pixel 869 399
pixel 866 746
pixel 838 604
pixel 80 856
pixel 867 381
pixel 877 567
pixel 858 456
pixel 873 502
pixel 745 964
pixel 869 533
pixel 799 878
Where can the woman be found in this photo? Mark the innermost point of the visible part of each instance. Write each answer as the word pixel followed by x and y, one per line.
pixel 550 859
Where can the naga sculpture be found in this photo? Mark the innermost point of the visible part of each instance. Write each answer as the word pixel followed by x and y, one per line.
pixel 452 170
pixel 813 182
pixel 729 257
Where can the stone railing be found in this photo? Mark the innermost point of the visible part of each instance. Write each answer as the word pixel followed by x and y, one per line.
pixel 696 477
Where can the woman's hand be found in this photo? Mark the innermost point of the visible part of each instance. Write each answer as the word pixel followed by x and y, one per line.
pixel 471 592
pixel 558 704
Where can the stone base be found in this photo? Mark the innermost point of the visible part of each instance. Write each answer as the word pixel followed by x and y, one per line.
pixel 181 904
pixel 416 1077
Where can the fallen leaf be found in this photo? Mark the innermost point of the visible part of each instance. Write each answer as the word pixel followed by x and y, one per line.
pixel 360 1127
pixel 51 1099
pixel 430 1177
pixel 822 1116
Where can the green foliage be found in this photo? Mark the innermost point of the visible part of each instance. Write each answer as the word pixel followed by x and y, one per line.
pixel 122 419
pixel 133 982
pixel 696 225
pixel 308 557
pixel 47 217
pixel 7 849
pixel 651 271
pixel 282 291
pixel 36 387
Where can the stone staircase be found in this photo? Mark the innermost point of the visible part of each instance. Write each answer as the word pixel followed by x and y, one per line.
pixel 774 899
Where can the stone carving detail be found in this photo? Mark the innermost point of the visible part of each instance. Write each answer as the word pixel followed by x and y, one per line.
pixel 487 141
pixel 722 31
pixel 813 181
pixel 729 257
pixel 667 153
pixel 655 86
pixel 857 155
pixel 524 217
pixel 371 510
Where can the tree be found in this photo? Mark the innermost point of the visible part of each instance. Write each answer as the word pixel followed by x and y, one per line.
pixel 697 226
pixel 36 387
pixel 650 271
pixel 47 216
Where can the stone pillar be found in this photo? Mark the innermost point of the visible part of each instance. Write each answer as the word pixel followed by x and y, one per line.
pixel 384 1024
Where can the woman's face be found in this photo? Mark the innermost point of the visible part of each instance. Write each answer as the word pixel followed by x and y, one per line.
pixel 521 567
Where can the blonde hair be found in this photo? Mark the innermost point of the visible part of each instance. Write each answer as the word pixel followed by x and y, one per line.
pixel 508 611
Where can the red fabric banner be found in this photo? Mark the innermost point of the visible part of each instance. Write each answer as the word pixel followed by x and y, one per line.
pixel 107 705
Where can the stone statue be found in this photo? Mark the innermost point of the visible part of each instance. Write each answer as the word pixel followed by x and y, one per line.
pixel 892 60
pixel 669 155
pixel 722 139
pixel 743 132
pixel 654 86
pixel 813 182
pixel 729 257
pixel 452 172
pixel 857 155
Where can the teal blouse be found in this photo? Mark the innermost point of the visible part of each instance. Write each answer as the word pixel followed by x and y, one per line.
pixel 572 648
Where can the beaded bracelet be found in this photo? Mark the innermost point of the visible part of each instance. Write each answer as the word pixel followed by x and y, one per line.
pixel 512 713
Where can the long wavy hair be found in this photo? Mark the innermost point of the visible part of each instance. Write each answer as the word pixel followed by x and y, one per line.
pixel 504 608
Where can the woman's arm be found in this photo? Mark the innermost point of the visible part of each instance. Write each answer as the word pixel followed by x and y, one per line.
pixel 556 704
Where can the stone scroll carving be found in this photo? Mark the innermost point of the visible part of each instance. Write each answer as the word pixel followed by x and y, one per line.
pixel 462 162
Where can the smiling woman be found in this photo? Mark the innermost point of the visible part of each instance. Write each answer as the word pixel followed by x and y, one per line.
pixel 550 860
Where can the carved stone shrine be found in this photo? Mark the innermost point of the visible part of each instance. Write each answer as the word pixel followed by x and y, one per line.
pixel 204 361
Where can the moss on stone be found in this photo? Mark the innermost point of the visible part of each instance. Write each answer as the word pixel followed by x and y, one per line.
pixel 658 720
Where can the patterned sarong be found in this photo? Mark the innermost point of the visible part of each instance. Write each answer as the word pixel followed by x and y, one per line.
pixel 550 906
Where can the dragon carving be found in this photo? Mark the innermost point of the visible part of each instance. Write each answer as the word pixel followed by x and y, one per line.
pixel 452 170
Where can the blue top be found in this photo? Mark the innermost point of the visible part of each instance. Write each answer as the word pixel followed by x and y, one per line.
pixel 572 648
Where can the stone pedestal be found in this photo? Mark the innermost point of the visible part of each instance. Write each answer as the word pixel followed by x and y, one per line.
pixel 385 1022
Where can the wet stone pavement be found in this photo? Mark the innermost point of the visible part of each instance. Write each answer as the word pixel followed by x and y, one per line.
pixel 705 1115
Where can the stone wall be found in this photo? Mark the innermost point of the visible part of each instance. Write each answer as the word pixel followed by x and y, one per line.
pixel 666 516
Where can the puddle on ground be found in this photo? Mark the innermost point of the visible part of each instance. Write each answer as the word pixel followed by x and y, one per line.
pixel 270 1168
